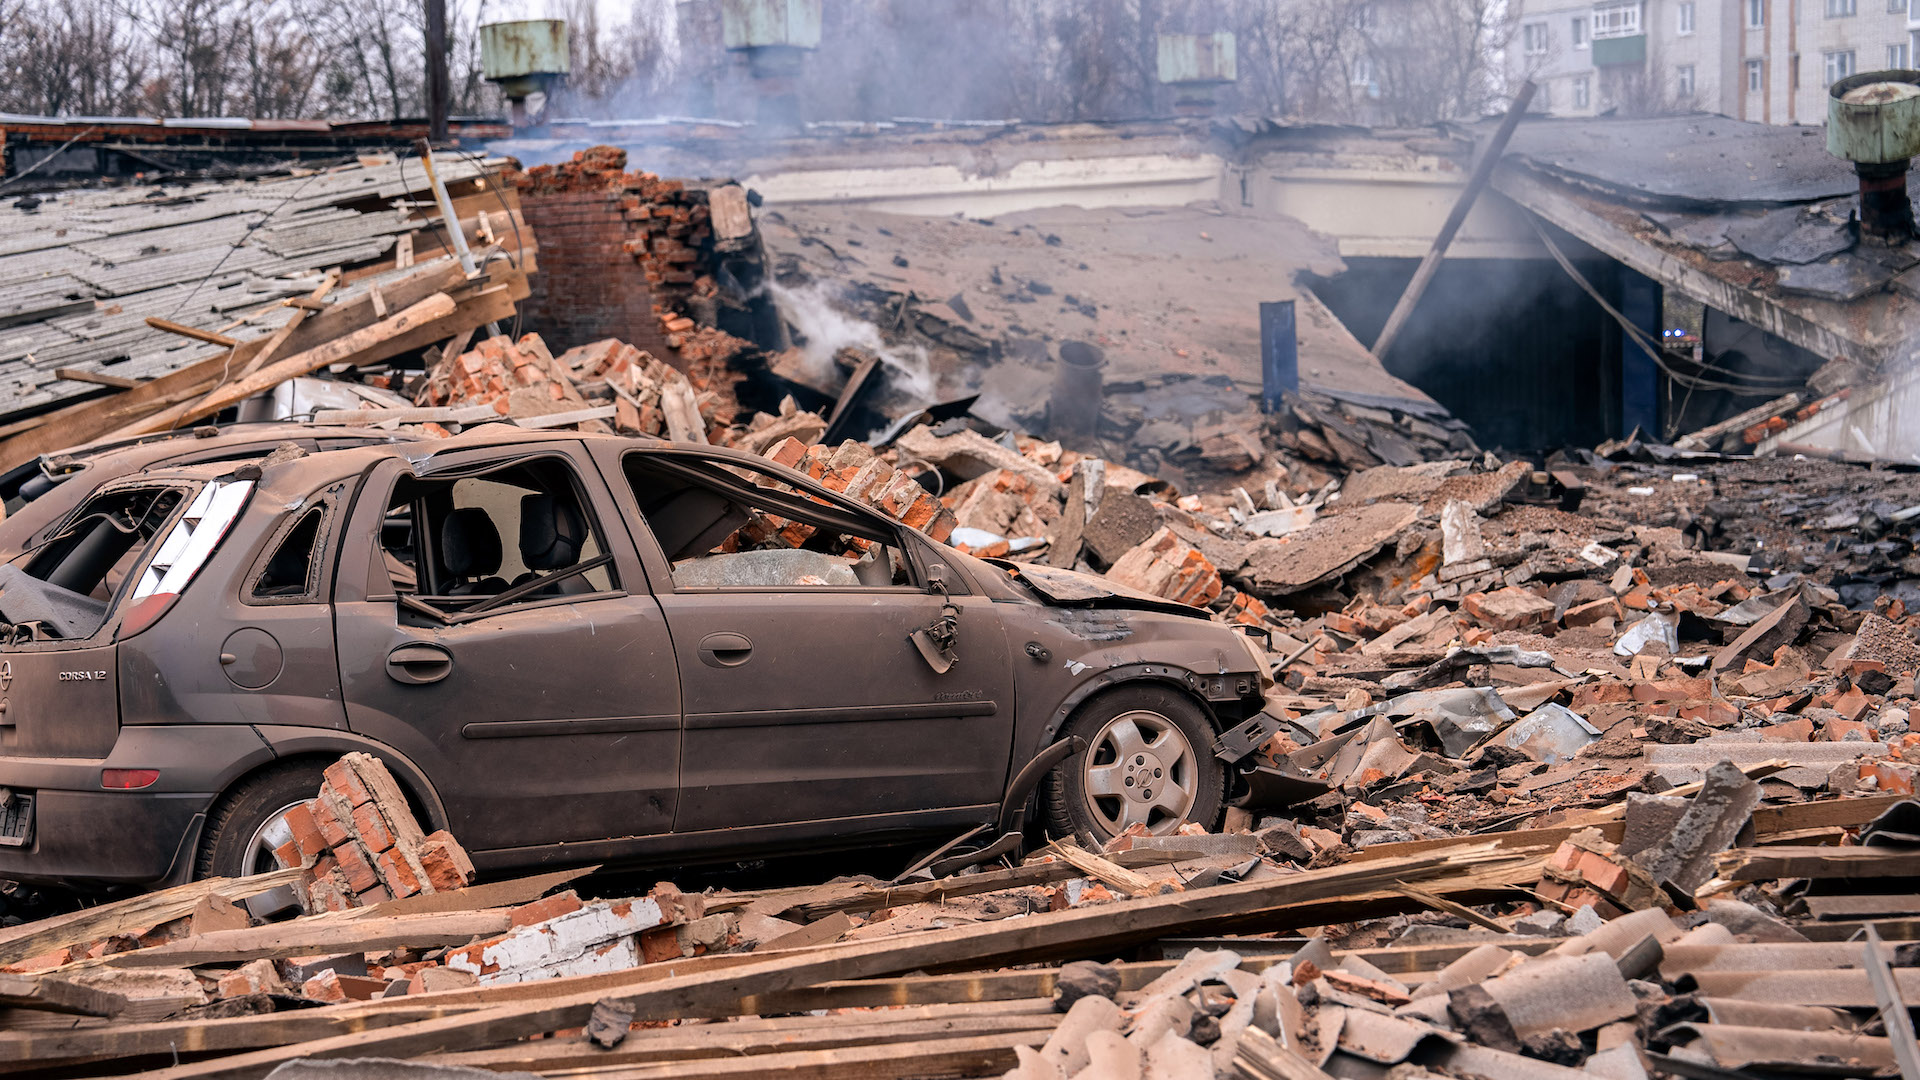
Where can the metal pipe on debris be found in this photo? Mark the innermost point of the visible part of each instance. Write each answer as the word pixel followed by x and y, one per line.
pixel 1073 416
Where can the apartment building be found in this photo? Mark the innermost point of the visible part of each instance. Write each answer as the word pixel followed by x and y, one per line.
pixel 1764 60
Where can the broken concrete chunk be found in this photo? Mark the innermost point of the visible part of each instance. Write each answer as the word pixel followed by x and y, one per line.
pixel 1460 534
pixel 1714 818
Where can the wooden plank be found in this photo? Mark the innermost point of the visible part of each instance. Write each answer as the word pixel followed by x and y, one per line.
pixel 814 902
pixel 975 1055
pixel 315 935
pixel 744 1040
pixel 1765 864
pixel 41 1047
pixel 99 378
pixel 1833 813
pixel 561 419
pixel 1515 841
pixel 89 420
pixel 338 351
pixel 194 332
pixel 442 414
pixel 134 913
pixel 1100 869
pixel 271 347
pixel 1074 932
pixel 490 304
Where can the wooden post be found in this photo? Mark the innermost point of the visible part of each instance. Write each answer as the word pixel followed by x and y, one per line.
pixel 1477 182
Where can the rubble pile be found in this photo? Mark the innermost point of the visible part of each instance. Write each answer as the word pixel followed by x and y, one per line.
pixel 1645 934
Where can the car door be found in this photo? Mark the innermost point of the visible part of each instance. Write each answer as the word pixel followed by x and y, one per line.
pixel 546 718
pixel 809 702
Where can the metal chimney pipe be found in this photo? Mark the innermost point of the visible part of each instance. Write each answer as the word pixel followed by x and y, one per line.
pixel 1873 120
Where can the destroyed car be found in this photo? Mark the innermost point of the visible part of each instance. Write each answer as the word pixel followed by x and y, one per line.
pixel 573 649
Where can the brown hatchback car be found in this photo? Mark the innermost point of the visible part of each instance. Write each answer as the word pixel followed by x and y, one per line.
pixel 572 649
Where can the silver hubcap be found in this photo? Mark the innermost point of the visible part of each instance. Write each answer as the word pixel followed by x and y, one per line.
pixel 272 834
pixel 1140 771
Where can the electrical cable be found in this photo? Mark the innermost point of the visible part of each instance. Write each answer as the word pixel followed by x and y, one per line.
pixel 1647 342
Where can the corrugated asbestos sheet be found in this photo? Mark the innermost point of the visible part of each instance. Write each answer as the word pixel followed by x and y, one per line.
pixel 81 271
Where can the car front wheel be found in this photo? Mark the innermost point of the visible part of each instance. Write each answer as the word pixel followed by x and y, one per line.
pixel 249 823
pixel 1148 762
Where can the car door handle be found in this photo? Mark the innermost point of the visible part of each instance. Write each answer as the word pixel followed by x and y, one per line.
pixel 418 664
pixel 725 650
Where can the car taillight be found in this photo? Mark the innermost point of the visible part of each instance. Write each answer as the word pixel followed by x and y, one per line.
pixel 145 613
pixel 128 779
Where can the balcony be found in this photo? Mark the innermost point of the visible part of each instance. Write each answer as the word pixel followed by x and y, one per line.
pixel 1619 51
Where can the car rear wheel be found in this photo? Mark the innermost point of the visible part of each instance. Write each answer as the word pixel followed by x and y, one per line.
pixel 250 821
pixel 1148 762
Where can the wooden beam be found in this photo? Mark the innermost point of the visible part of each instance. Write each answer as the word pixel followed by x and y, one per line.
pixel 279 337
pixel 134 913
pixel 750 1039
pixel 99 378
pixel 1075 932
pixel 1476 183
pixel 338 351
pixel 316 935
pixel 1766 864
pixel 193 332
pixel 88 420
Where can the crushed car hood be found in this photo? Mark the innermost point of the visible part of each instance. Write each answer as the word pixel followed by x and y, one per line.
pixel 1071 588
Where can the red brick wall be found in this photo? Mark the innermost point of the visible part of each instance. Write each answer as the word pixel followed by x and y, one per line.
pixel 589 285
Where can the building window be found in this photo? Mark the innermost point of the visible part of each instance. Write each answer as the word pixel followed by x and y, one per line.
pixel 1913 44
pixel 1756 13
pixel 1753 76
pixel 1896 56
pixel 1683 80
pixel 1686 17
pixel 1363 17
pixel 1616 20
pixel 1363 71
pixel 1533 39
pixel 1840 9
pixel 1577 31
pixel 1582 91
pixel 1897 5
pixel 1839 65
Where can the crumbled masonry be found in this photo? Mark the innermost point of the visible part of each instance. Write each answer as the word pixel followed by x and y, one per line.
pixel 1596 764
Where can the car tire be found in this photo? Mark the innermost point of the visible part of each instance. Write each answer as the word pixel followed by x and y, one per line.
pixel 1149 759
pixel 240 835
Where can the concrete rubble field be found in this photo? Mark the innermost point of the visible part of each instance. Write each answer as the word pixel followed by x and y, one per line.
pixel 1596 765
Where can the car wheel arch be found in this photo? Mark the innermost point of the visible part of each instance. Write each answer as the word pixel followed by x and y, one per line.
pixel 292 744
pixel 1116 679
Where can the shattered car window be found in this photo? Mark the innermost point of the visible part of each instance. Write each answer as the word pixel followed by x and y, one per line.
pixel 68 587
pixel 459 542
pixel 738 528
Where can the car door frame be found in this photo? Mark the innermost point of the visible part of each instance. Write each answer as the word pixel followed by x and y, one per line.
pixel 360 578
pixel 923 563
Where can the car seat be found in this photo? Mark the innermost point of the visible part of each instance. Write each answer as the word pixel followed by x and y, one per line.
pixel 552 535
pixel 470 552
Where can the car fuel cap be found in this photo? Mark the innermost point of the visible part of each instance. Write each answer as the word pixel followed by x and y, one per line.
pixel 251 658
